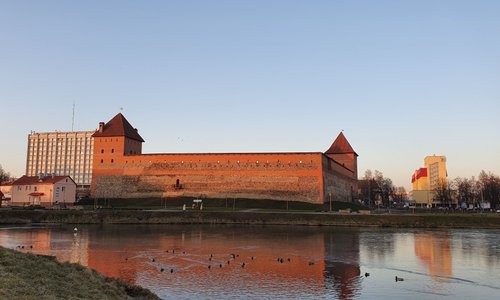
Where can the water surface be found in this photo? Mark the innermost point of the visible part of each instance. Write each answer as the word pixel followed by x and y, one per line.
pixel 280 262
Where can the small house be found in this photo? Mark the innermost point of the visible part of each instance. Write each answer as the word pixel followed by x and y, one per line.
pixel 43 190
pixel 5 193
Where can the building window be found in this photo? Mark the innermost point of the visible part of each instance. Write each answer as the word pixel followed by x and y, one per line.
pixel 102 150
pixel 35 188
pixel 62 189
pixel 102 161
pixel 112 150
pixel 112 160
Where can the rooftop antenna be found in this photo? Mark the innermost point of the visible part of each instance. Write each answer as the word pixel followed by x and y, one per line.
pixel 73 118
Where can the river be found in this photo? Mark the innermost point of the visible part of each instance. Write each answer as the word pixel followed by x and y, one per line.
pixel 279 262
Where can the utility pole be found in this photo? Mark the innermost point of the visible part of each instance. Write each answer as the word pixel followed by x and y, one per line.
pixel 73 118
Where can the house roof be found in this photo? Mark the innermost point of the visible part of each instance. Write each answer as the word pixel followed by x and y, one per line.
pixel 340 146
pixel 34 180
pixel 119 126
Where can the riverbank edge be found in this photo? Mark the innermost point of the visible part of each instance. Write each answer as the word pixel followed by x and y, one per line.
pixel 486 220
pixel 32 276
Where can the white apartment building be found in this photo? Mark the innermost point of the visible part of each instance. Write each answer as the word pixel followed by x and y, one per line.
pixel 61 154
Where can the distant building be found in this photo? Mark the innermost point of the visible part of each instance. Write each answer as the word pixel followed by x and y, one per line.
pixel 62 154
pixel 44 191
pixel 5 193
pixel 427 179
pixel 6 189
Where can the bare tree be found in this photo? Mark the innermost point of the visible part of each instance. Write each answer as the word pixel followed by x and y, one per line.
pixel 466 190
pixel 490 188
pixel 375 186
pixel 443 192
pixel 399 195
pixel 4 176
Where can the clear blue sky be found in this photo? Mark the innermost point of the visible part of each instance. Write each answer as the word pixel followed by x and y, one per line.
pixel 404 79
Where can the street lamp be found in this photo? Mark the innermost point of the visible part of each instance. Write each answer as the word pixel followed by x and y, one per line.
pixel 330 194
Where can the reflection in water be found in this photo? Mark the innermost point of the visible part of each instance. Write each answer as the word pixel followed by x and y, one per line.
pixel 434 250
pixel 67 247
pixel 378 247
pixel 246 260
pixel 220 262
pixel 342 263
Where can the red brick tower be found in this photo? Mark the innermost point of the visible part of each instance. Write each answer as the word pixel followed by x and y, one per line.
pixel 114 140
pixel 342 152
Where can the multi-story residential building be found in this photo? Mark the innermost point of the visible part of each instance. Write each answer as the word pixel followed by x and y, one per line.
pixel 436 166
pixel 61 154
pixel 426 180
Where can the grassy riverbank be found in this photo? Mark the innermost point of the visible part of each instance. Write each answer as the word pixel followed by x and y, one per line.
pixel 427 220
pixel 216 204
pixel 29 276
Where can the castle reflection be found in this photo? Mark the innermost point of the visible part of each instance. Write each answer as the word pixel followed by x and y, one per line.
pixel 342 269
pixel 244 258
pixel 318 261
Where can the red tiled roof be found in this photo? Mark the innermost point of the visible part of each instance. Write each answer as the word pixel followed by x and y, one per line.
pixel 32 180
pixel 119 126
pixel 340 145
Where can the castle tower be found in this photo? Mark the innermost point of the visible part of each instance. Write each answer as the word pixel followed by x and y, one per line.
pixel 113 141
pixel 342 152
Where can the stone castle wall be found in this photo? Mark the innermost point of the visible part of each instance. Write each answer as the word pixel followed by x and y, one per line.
pixel 277 176
pixel 338 182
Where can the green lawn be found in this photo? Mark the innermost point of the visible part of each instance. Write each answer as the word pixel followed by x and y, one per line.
pixel 29 276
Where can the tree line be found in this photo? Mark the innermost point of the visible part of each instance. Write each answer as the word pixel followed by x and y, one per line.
pixel 471 191
pixel 375 189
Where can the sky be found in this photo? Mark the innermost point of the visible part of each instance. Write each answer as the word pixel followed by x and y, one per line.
pixel 403 79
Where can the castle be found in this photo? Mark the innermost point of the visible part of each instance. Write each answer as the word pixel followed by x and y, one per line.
pixel 121 170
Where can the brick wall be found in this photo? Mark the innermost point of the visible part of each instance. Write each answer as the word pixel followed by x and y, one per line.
pixel 121 171
pixel 338 181
pixel 288 176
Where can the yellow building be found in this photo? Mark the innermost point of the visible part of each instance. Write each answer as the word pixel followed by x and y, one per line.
pixel 436 169
pixel 426 180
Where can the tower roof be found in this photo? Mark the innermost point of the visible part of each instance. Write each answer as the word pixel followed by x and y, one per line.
pixel 118 126
pixel 340 145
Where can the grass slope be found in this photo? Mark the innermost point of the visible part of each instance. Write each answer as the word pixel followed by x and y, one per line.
pixel 29 276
